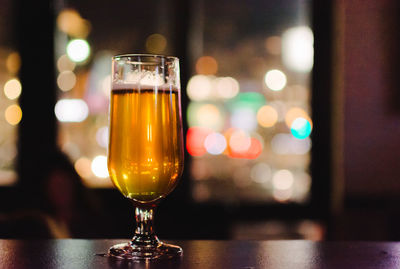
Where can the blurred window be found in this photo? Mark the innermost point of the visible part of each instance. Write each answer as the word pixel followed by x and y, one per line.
pixel 249 91
pixel 249 110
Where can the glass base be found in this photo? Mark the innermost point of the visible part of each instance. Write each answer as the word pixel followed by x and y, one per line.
pixel 134 252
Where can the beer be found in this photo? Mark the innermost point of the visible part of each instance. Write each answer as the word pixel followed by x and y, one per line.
pixel 145 158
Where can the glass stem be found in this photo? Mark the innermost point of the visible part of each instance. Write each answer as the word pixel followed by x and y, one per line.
pixel 144 233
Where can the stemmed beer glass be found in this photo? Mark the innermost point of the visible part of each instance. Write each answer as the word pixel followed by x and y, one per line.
pixel 145 154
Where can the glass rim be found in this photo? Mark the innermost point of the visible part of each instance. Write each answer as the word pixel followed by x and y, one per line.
pixel 157 56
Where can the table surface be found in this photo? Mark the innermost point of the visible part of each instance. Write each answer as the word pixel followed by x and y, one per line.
pixel 298 254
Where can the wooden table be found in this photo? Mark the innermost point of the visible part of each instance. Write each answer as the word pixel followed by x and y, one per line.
pixel 76 253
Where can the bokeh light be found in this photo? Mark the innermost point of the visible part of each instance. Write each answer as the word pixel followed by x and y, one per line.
pixel 244 118
pixel 247 100
pixel 70 22
pixel 282 195
pixel 297 49
pixel 206 65
pixel 275 80
pixel 99 166
pixel 12 89
pixel 301 128
pixel 13 62
pixel 294 113
pixel 239 141
pixel 13 114
pixel 282 179
pixel 215 143
pixel 253 151
pixel 273 44
pixel 65 64
pixel 78 50
pixel 226 87
pixel 71 110
pixel 83 167
pixel 267 116
pixel 66 80
pixel 156 43
pixel 199 88
pixel 195 140
pixel 102 136
pixel 205 115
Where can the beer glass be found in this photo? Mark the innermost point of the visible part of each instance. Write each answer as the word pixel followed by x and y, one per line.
pixel 145 154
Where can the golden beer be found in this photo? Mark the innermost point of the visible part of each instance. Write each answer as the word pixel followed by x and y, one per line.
pixel 145 158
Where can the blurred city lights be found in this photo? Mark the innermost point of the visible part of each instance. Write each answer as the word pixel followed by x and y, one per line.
pixel 301 128
pixel 205 115
pixel 78 50
pixel 70 22
pixel 199 88
pixel 261 173
pixel 244 118
pixel 12 89
pixel 66 80
pixel 99 166
pixel 253 151
pixel 273 44
pixel 226 87
pixel 282 195
pixel 282 179
pixel 71 110
pixel 195 140
pixel 297 48
pixel 215 143
pixel 156 43
pixel 239 141
pixel 285 144
pixel 294 113
pixel 206 65
pixel 65 64
pixel 275 80
pixel 13 114
pixel 13 62
pixel 83 167
pixel 267 116
pixel 102 136
pixel 249 100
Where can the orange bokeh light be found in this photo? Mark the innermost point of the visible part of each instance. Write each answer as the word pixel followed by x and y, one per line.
pixel 206 65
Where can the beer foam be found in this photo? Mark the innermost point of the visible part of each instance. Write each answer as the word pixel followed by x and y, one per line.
pixel 139 80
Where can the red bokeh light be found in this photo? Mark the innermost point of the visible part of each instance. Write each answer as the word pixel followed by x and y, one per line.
pixel 195 137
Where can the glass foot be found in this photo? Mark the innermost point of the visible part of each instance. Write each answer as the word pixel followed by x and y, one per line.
pixel 134 252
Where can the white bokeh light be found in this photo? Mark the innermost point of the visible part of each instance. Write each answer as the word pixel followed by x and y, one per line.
pixel 199 87
pixel 283 180
pixel 275 80
pixel 244 118
pixel 297 49
pixel 71 110
pixel 102 136
pixel 215 143
pixel 78 50
pixel 99 166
